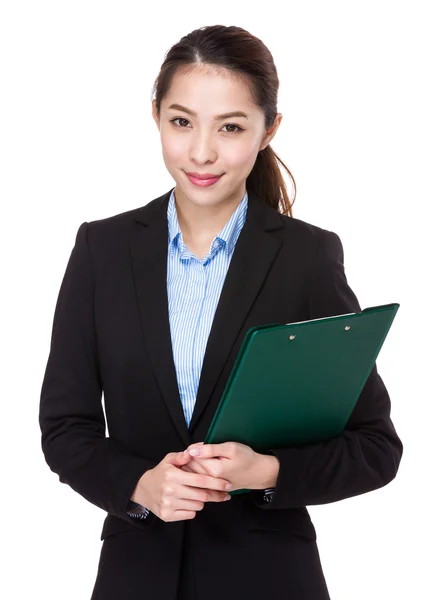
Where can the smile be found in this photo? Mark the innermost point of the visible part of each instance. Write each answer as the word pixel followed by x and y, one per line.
pixel 202 182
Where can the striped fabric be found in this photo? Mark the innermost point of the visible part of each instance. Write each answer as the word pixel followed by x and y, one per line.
pixel 194 287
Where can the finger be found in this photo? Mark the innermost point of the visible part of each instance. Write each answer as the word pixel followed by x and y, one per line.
pixel 212 450
pixel 192 498
pixel 202 481
pixel 196 445
pixel 178 458
pixel 212 466
pixel 196 467
pixel 214 495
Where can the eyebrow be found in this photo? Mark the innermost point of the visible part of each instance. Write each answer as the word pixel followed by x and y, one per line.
pixel 236 113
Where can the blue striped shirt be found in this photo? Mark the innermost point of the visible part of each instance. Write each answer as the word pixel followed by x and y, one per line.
pixel 194 287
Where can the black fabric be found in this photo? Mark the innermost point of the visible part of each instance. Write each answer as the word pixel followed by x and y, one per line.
pixel 111 334
pixel 187 588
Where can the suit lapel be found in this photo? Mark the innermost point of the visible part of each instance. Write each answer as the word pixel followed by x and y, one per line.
pixel 149 253
pixel 254 253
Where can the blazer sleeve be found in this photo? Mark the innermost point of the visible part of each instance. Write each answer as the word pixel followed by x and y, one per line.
pixel 138 511
pixel 71 416
pixel 367 454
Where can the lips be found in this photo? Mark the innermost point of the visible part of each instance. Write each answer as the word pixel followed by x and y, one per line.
pixel 203 180
pixel 204 175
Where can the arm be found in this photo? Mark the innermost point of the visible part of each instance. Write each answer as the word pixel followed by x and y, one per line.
pixel 367 454
pixel 70 414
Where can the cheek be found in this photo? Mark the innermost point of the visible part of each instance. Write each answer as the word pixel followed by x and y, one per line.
pixel 238 156
pixel 241 163
pixel 173 149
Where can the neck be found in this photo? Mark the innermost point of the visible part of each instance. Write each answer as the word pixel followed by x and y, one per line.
pixel 203 223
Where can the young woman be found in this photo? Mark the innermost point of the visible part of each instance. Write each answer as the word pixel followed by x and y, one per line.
pixel 152 310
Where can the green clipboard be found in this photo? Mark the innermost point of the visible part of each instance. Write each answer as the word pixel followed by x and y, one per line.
pixel 298 383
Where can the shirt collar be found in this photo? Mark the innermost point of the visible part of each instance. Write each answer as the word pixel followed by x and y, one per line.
pixel 228 234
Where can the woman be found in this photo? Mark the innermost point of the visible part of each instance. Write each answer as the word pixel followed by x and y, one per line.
pixel 152 310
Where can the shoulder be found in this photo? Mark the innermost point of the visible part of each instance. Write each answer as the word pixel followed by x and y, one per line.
pixel 311 239
pixel 123 221
pixel 114 230
pixel 107 240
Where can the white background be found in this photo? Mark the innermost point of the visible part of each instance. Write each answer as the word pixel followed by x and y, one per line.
pixel 78 143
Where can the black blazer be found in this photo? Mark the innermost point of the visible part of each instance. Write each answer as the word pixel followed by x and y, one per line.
pixel 111 333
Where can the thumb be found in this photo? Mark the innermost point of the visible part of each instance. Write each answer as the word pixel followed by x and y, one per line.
pixel 179 458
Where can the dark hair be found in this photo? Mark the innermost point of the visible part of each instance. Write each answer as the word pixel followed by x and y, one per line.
pixel 236 50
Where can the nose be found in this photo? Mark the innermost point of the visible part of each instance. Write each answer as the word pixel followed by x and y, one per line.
pixel 202 149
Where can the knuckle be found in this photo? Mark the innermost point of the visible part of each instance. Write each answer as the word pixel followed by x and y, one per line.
pixel 166 502
pixel 216 470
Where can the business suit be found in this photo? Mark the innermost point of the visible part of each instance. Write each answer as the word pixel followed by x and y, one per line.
pixel 111 332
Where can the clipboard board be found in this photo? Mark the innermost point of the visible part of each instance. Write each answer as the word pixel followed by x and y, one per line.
pixel 298 383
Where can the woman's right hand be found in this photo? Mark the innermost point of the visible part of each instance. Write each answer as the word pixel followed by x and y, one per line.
pixel 176 495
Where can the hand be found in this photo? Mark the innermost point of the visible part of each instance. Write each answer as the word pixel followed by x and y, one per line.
pixel 232 461
pixel 195 466
pixel 175 495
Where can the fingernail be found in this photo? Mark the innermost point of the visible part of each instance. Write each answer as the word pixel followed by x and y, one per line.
pixel 194 452
pixel 228 497
pixel 229 486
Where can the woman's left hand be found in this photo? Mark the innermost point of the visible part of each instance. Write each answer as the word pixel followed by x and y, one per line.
pixel 233 461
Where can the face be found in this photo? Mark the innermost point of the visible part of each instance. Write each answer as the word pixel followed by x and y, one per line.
pixel 196 137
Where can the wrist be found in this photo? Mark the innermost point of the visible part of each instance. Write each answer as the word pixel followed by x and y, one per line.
pixel 267 471
pixel 140 492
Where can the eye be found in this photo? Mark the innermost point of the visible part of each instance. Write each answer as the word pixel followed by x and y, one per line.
pixel 173 121
pixel 178 119
pixel 233 125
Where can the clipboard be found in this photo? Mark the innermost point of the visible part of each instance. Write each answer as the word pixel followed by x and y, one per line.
pixel 297 383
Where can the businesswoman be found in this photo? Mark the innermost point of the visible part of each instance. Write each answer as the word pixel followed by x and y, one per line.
pixel 152 310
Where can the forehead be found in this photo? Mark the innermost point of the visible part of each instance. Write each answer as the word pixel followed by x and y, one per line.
pixel 208 89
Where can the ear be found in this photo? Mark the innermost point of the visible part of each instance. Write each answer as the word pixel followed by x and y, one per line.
pixel 270 133
pixel 154 113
